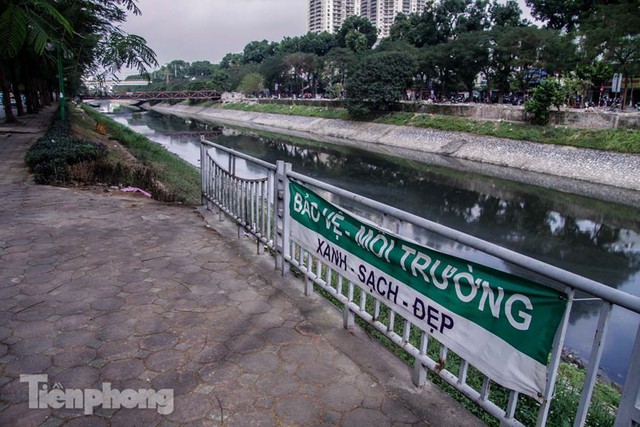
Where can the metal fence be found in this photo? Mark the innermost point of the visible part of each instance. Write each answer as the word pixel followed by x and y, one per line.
pixel 259 204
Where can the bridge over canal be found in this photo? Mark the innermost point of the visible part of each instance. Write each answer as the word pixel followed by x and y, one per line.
pixel 162 95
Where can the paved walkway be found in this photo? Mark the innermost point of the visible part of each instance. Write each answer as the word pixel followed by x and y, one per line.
pixel 107 288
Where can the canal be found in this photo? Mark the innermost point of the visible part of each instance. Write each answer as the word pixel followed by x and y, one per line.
pixel 595 239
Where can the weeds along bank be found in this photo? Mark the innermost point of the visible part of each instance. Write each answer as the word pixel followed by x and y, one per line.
pixel 392 135
pixel 87 150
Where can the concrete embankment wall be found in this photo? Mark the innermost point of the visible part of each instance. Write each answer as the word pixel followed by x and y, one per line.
pixel 586 118
pixel 474 153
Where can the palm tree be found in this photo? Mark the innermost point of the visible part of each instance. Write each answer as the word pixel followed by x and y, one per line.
pixel 84 34
pixel 25 28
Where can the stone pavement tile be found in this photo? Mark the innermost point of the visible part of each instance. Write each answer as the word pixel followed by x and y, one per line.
pixel 21 415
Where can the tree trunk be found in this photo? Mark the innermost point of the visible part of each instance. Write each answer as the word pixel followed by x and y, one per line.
pixel 17 95
pixel 624 92
pixel 15 87
pixel 6 99
pixel 32 95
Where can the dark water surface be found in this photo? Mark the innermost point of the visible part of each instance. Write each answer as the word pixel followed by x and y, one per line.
pixel 595 239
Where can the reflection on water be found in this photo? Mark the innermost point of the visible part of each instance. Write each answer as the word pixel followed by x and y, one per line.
pixel 594 239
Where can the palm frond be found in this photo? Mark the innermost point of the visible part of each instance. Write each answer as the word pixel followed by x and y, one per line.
pixel 52 12
pixel 13 30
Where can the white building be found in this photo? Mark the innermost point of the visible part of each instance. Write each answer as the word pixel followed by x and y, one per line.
pixel 328 15
pixel 382 13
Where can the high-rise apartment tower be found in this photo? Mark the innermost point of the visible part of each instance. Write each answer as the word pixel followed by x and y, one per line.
pixel 328 15
pixel 382 13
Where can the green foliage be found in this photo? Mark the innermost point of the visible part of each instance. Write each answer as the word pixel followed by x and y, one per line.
pixel 620 140
pixel 357 34
pixel 257 51
pixel 31 23
pixel 378 82
pixel 180 180
pixel 558 14
pixel 251 84
pixel 548 93
pixel 50 157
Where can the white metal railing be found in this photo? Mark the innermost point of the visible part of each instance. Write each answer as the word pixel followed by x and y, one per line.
pixel 261 207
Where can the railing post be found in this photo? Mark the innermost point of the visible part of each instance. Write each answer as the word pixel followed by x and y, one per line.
pixel 348 316
pixel 554 363
pixel 282 244
pixel 594 364
pixel 629 407
pixel 419 373
pixel 204 175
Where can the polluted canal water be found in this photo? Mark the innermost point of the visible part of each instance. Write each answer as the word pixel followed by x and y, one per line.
pixel 593 238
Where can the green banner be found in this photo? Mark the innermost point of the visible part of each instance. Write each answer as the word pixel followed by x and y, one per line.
pixel 469 307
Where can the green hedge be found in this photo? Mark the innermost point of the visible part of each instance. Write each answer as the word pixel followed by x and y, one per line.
pixel 50 156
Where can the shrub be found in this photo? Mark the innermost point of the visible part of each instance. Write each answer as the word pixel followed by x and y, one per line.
pixel 50 157
pixel 378 83
pixel 548 93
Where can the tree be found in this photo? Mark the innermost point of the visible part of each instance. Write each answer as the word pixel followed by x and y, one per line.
pixel 219 79
pixel 25 28
pixel 275 72
pixel 357 34
pixel 338 63
pixel 468 56
pixel 317 43
pixel 200 69
pixel 508 14
pixel 257 51
pixel 378 82
pixel 305 69
pixel 417 29
pixel 560 14
pixel 521 53
pixel 547 93
pixel 251 84
pixel 454 17
pixel 613 32
pixel 84 37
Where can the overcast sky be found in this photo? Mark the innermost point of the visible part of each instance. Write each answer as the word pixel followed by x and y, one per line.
pixel 194 30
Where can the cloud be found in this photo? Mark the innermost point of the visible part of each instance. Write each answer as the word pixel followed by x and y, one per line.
pixel 194 30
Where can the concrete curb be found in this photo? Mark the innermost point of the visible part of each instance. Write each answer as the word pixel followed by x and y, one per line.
pixel 604 175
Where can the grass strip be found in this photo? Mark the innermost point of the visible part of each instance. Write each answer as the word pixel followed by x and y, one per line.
pixel 618 140
pixel 179 177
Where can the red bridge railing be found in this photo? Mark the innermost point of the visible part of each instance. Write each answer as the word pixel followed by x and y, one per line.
pixel 161 95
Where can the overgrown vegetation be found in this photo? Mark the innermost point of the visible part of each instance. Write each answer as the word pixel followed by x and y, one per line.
pixel 179 180
pixel 52 157
pixel 548 93
pixel 620 140
pixel 71 152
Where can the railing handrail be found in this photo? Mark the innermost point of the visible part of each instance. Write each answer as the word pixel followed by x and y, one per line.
pixel 233 152
pixel 272 228
pixel 576 281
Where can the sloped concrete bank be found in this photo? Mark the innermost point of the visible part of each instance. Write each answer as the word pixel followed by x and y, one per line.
pixel 607 176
